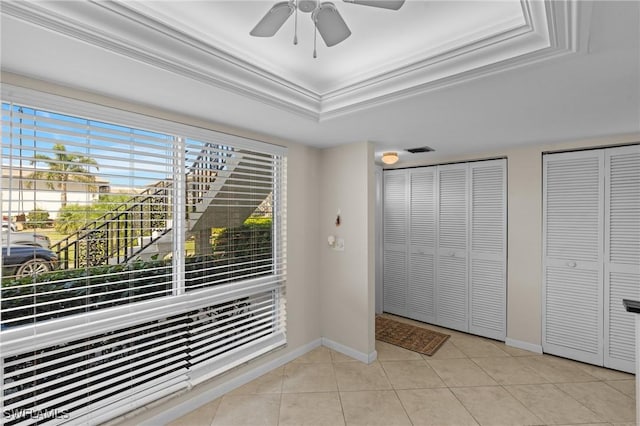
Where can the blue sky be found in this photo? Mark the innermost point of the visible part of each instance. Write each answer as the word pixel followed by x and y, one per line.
pixel 126 157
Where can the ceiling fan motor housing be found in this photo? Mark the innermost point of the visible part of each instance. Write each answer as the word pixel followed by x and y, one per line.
pixel 307 5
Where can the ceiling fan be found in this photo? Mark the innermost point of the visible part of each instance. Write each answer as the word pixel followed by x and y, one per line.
pixel 325 16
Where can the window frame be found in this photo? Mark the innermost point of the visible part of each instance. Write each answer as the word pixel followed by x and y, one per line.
pixel 50 331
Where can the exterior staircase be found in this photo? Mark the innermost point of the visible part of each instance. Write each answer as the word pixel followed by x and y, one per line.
pixel 223 188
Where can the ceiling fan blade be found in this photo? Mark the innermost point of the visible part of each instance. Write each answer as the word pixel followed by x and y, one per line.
pixel 273 20
pixel 330 24
pixel 385 4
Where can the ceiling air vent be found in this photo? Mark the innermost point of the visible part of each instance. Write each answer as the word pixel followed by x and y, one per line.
pixel 420 149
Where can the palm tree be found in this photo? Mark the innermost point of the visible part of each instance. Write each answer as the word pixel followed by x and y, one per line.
pixel 65 167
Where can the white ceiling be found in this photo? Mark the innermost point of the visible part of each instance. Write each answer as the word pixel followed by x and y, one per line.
pixel 381 41
pixel 459 76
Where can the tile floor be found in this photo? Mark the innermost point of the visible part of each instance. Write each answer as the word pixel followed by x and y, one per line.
pixel 469 381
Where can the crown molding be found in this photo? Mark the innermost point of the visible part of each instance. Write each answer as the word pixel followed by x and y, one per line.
pixel 551 29
pixel 129 34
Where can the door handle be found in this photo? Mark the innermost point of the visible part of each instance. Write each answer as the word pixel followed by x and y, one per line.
pixel 572 264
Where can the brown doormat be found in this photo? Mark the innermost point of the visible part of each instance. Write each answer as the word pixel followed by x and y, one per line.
pixel 409 336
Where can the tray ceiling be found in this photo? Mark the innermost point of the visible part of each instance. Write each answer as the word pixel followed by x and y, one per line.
pixel 390 54
pixel 459 76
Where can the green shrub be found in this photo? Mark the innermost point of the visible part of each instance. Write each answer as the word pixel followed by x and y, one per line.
pixel 74 217
pixel 250 240
pixel 241 252
pixel 37 218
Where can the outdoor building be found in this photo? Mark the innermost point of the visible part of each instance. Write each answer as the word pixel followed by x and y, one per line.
pixel 21 194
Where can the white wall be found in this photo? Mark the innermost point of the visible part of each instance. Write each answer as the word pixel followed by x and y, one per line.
pixel 347 278
pixel 524 227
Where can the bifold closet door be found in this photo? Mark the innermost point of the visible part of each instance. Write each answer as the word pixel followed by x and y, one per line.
pixel 572 255
pixel 395 258
pixel 622 253
pixel 445 245
pixel 422 245
pixel 452 227
pixel 487 263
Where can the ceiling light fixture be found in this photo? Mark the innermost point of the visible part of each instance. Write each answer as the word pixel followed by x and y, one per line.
pixel 390 157
pixel 325 16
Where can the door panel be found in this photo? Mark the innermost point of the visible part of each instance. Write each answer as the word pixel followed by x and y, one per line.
pixel 487 267
pixel 395 258
pixel 422 276
pixel 452 289
pixel 622 254
pixel 572 255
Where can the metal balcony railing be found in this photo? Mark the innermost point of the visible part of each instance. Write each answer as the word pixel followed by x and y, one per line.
pixel 136 224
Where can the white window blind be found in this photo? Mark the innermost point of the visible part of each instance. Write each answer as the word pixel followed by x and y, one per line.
pixel 138 257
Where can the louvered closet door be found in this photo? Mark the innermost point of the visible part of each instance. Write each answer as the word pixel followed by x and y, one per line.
pixel 422 238
pixel 395 262
pixel 487 265
pixel 572 255
pixel 622 254
pixel 452 292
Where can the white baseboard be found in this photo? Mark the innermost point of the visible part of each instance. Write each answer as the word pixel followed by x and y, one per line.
pixel 360 356
pixel 531 347
pixel 201 398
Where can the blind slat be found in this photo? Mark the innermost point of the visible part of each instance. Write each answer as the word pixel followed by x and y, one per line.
pixel 114 194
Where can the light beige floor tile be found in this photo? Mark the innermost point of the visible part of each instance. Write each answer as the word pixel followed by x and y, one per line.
pixel 593 424
pixel 202 416
pixel 388 352
pixel 372 408
pixel 446 351
pixel 552 405
pixel 319 354
pixel 340 357
pixel 312 377
pixel 357 376
pixel 492 405
pixel 557 370
pixel 434 407
pixel 475 347
pixel 254 410
pixel 627 387
pixel 460 372
pixel 270 382
pixel 510 371
pixel 515 351
pixel 608 403
pixel 307 409
pixel 590 395
pixel 411 375
pixel 604 373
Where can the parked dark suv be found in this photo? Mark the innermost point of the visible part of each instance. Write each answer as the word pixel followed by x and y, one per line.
pixel 23 260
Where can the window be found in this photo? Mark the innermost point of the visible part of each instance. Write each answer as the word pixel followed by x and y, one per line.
pixel 148 255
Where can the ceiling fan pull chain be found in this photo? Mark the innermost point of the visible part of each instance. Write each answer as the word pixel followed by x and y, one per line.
pixel 315 36
pixel 295 35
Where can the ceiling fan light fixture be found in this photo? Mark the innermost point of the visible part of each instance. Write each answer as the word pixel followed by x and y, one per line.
pixel 390 158
pixel 384 4
pixel 325 16
pixel 307 6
